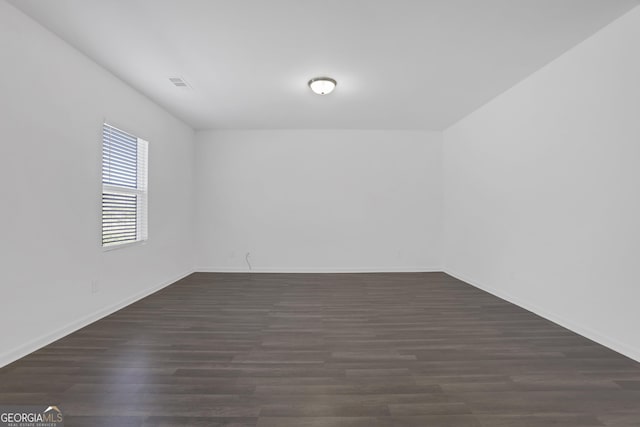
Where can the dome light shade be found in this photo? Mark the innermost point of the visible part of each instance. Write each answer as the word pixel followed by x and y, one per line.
pixel 322 85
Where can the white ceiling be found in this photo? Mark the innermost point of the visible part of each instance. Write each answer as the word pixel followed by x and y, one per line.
pixel 400 64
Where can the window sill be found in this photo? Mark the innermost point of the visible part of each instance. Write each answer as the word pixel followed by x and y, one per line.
pixel 123 245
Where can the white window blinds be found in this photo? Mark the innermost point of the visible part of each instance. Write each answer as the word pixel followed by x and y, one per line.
pixel 124 187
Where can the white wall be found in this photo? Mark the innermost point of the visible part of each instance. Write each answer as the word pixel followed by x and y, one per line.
pixel 542 190
pixel 319 200
pixel 53 102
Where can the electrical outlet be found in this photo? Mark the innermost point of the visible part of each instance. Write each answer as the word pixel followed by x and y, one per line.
pixel 95 287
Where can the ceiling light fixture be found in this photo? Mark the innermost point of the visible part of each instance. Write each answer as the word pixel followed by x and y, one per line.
pixel 322 85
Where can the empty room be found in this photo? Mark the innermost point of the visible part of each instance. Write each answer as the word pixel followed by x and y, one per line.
pixel 329 213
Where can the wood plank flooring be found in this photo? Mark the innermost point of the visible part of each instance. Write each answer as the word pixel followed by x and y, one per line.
pixel 316 350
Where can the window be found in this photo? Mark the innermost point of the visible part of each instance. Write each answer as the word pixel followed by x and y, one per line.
pixel 124 187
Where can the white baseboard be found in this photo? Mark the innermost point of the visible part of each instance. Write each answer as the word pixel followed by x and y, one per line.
pixel 319 270
pixel 593 335
pixel 38 343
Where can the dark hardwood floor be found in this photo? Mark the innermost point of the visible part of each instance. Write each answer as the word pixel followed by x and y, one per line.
pixel 311 350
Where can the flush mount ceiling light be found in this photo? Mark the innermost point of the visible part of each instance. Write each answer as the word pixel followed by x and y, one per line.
pixel 322 85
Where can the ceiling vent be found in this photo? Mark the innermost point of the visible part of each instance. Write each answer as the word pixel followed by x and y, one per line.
pixel 179 82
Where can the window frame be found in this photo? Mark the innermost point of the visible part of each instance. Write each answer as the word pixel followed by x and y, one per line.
pixel 141 191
